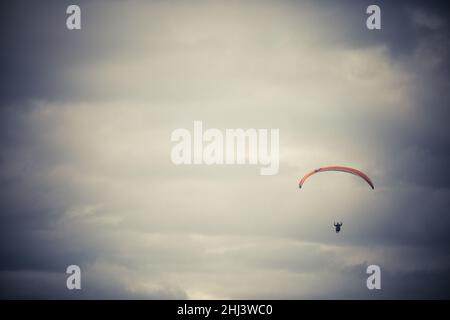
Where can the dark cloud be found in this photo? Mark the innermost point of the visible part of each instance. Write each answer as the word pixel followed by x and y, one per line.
pixel 66 198
pixel 39 50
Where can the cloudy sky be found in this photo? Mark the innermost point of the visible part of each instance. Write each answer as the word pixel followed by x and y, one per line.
pixel 86 175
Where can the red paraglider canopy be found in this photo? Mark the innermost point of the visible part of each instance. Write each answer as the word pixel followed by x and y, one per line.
pixel 338 168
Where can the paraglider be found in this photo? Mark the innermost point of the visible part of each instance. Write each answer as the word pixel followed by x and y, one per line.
pixel 353 171
pixel 338 168
pixel 338 226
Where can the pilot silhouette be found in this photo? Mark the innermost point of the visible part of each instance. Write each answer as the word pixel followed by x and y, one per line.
pixel 338 226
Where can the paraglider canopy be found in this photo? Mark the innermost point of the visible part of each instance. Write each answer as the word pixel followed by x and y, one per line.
pixel 338 168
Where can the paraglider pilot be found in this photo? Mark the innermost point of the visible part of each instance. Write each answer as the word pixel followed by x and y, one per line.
pixel 338 226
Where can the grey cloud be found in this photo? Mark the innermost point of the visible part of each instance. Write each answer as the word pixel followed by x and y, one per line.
pixel 85 164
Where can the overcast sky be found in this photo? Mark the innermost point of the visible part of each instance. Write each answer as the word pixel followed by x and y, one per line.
pixel 86 175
